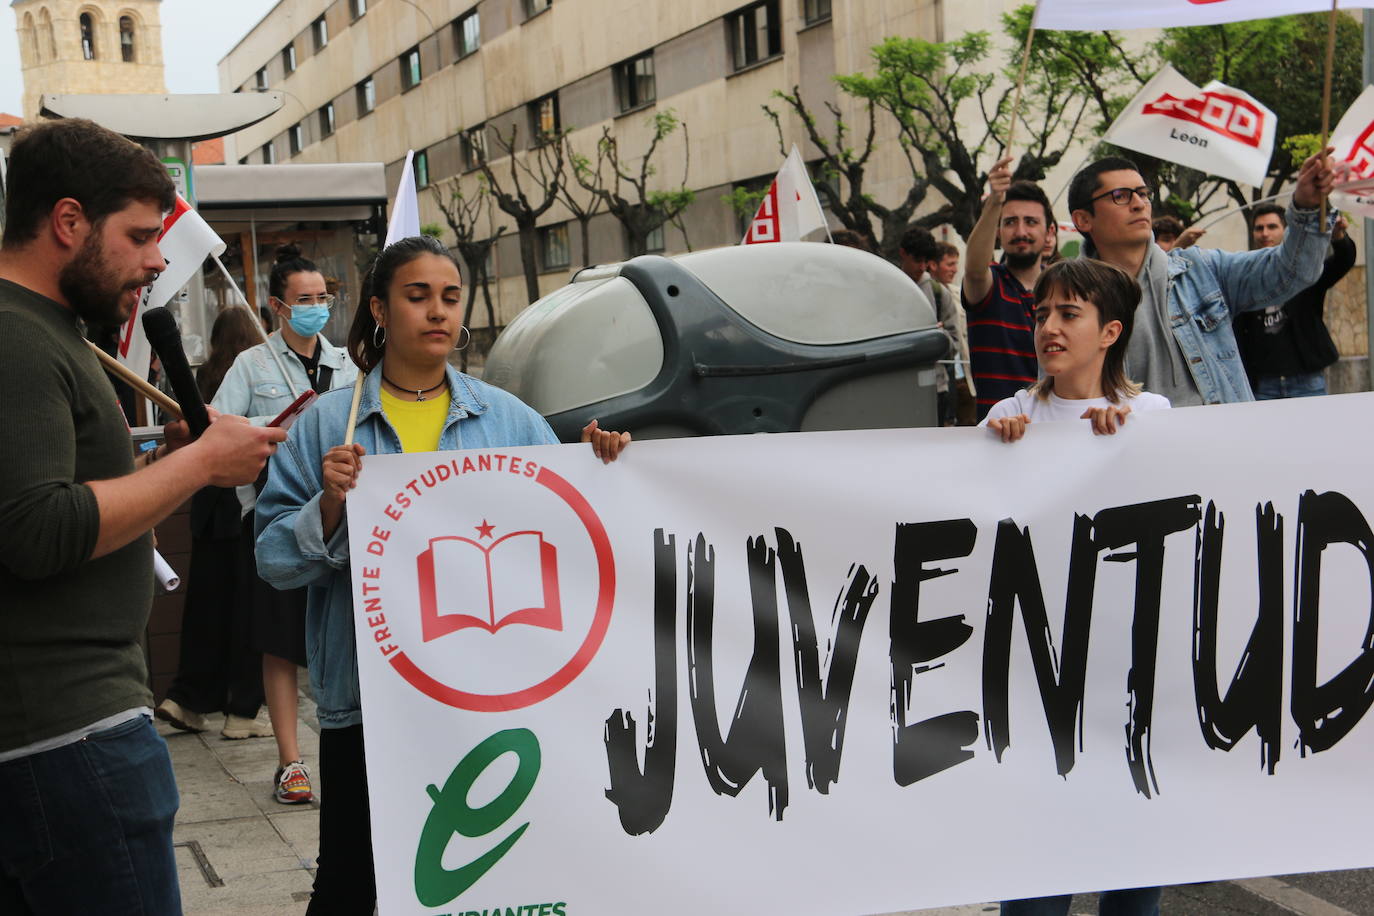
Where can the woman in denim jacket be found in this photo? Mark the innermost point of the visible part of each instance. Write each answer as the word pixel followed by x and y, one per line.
pixel 408 321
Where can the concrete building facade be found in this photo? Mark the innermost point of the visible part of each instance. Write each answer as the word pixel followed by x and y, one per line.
pixel 369 79
pixel 88 46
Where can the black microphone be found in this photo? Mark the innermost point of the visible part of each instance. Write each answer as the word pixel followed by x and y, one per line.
pixel 165 338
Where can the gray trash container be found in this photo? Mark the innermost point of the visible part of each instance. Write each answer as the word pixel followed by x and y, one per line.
pixel 754 338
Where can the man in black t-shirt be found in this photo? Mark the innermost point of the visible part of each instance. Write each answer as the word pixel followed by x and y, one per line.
pixel 1286 348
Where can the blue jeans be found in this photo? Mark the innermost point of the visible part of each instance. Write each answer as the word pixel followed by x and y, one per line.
pixel 1302 385
pixel 1136 901
pixel 87 828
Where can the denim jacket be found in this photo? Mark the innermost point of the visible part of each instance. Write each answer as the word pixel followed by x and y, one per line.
pixel 254 388
pixel 1208 288
pixel 291 548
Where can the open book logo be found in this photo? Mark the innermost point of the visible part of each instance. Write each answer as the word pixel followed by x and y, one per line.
pixel 478 580
pixel 465 583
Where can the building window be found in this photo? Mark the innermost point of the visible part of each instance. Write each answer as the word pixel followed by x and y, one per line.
pixel 634 81
pixel 467 33
pixel 421 166
pixel 755 33
pixel 260 80
pixel 544 121
pixel 535 7
pixel 87 37
pixel 367 96
pixel 288 58
pixel 815 11
pixel 296 138
pixel 553 247
pixel 654 240
pixel 126 38
pixel 357 7
pixel 410 69
pixel 320 31
pixel 327 119
pixel 269 154
pixel 475 147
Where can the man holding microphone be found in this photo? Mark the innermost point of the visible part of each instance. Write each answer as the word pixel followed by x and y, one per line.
pixel 86 783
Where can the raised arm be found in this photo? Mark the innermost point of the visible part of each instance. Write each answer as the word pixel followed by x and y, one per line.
pixel 1271 276
pixel 983 239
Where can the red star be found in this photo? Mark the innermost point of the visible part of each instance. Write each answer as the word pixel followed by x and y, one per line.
pixel 484 530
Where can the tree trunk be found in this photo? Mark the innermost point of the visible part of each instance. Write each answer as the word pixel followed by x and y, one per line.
pixel 477 272
pixel 585 225
pixel 529 257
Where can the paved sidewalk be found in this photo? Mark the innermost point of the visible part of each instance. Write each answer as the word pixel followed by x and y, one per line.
pixel 238 850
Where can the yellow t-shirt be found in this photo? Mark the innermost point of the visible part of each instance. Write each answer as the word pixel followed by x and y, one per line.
pixel 418 423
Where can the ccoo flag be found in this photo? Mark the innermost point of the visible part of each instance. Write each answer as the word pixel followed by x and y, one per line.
pixel 186 241
pixel 1092 15
pixel 1353 140
pixel 1216 129
pixel 790 210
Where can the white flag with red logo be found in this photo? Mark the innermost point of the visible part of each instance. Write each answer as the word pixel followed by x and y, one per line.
pixel 186 241
pixel 790 210
pixel 1353 140
pixel 1216 129
pixel 1090 15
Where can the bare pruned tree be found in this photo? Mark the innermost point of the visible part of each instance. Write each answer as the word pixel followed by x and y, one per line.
pixel 628 196
pixel 464 215
pixel 534 183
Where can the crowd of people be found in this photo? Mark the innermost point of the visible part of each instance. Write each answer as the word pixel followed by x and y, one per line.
pixel 84 778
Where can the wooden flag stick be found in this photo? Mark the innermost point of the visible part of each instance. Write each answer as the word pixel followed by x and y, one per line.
pixel 353 408
pixel 1326 92
pixel 1021 78
pixel 124 373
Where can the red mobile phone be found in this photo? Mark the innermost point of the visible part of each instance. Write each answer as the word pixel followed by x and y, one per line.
pixel 298 407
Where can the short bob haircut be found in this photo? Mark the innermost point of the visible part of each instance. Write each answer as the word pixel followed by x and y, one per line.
pixel 1116 295
pixel 76 158
pixel 362 345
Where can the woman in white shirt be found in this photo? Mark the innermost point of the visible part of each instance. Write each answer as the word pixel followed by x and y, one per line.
pixel 1084 311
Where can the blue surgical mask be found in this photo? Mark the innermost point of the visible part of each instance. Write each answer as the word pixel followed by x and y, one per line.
pixel 309 320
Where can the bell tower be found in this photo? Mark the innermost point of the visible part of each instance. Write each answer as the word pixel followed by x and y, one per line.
pixel 88 46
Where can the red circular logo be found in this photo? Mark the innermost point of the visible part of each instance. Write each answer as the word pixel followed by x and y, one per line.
pixel 596 634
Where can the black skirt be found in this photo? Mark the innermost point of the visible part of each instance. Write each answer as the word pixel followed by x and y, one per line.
pixel 278 616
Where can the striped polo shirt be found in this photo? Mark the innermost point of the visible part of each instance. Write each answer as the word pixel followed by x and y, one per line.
pixel 1001 339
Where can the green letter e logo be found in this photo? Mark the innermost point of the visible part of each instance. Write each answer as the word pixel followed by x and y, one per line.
pixel 436 885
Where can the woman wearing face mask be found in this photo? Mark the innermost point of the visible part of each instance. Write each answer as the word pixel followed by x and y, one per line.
pixel 263 382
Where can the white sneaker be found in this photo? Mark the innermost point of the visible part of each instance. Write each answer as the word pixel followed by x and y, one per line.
pixel 178 716
pixel 238 727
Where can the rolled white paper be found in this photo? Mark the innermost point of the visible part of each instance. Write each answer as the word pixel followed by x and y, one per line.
pixel 166 576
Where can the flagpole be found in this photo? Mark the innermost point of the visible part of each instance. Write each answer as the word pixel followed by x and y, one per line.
pixel 257 324
pixel 1021 77
pixel 1326 91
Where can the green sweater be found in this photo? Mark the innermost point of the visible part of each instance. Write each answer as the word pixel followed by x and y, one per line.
pixel 69 625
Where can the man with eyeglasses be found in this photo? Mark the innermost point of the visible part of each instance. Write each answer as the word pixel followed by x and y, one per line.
pixel 1183 346
pixel 997 296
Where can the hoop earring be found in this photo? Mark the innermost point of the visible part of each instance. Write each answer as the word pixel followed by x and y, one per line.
pixel 466 340
pixel 375 342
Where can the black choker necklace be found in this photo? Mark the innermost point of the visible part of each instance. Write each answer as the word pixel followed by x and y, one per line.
pixel 419 394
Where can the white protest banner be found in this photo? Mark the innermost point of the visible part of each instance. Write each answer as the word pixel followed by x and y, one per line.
pixel 1353 141
pixel 186 241
pixel 822 674
pixel 1090 15
pixel 790 210
pixel 1216 129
